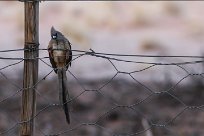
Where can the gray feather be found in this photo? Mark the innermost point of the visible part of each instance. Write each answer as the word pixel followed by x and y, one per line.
pixel 63 92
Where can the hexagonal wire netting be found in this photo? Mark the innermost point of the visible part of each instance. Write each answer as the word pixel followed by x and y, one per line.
pixel 114 107
pixel 116 118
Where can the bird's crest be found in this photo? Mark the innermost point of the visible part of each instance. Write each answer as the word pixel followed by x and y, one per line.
pixel 56 34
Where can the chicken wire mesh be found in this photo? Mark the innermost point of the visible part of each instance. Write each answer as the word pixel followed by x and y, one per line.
pixel 114 106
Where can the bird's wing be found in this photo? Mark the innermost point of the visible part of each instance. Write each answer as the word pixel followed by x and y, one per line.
pixel 69 54
pixel 50 50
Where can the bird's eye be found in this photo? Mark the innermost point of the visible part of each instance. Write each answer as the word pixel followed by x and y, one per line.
pixel 54 36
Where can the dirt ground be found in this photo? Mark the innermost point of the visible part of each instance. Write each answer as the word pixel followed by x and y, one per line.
pixel 119 108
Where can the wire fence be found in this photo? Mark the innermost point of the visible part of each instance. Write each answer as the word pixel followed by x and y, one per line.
pixel 130 111
pixel 111 107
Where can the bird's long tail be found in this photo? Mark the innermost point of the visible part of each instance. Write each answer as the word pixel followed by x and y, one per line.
pixel 63 92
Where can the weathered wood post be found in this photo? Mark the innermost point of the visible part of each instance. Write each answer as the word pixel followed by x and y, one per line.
pixel 30 67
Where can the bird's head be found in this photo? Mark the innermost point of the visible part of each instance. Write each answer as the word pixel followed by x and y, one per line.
pixel 53 33
pixel 56 35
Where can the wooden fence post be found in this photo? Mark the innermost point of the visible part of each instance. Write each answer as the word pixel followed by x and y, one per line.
pixel 30 67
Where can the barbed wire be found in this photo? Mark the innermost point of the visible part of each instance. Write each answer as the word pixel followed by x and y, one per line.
pixel 106 56
pixel 111 54
pixel 133 107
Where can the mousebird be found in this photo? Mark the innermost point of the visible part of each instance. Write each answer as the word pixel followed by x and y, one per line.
pixel 60 56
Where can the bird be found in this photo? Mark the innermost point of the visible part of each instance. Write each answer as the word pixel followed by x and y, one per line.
pixel 60 55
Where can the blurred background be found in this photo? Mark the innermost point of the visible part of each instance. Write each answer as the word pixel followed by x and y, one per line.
pixel 134 27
